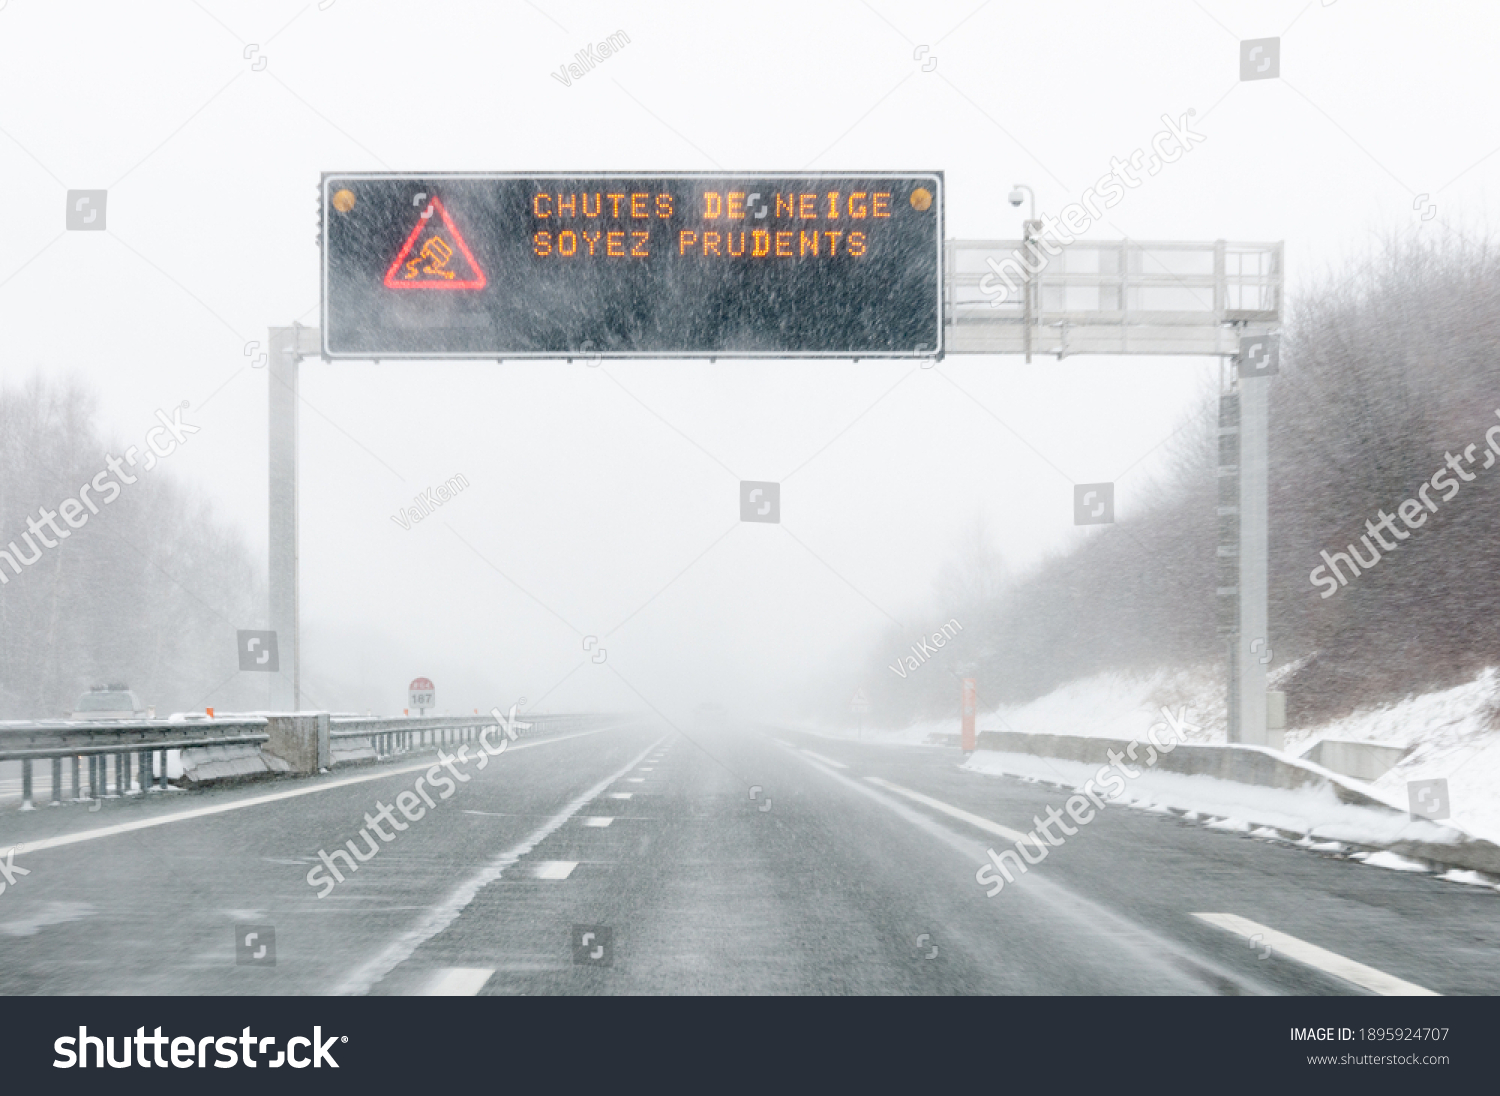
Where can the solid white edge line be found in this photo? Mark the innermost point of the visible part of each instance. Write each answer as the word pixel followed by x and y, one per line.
pixel 1377 981
pixel 446 912
pixel 1069 906
pixel 29 847
pixel 953 812
pixel 458 982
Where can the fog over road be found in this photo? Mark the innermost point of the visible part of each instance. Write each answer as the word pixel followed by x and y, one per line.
pixel 859 877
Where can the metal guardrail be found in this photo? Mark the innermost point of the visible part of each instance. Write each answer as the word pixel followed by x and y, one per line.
pixel 139 747
pixel 146 740
pixel 391 737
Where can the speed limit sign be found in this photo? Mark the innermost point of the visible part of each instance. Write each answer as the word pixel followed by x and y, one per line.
pixel 421 695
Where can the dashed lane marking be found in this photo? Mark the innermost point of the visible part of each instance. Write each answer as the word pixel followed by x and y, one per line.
pixel 597 821
pixel 620 795
pixel 458 982
pixel 447 911
pixel 553 869
pixel 1329 962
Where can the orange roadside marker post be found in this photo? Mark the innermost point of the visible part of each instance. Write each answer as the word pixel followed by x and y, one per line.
pixel 970 703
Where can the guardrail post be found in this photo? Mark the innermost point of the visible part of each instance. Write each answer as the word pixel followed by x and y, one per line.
pixel 143 769
pixel 122 774
pixel 162 779
pixel 77 795
pixel 26 804
pixel 57 782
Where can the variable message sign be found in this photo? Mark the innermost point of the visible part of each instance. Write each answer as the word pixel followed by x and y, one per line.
pixel 632 266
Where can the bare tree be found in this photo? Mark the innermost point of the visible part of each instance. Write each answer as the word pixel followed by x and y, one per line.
pixel 148 591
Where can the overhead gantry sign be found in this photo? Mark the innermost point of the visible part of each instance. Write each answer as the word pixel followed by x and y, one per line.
pixel 632 266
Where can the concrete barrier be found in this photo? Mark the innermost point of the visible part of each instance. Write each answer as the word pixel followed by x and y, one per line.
pixel 1254 765
pixel 1242 764
pixel 300 740
pixel 208 764
pixel 1361 760
pixel 353 751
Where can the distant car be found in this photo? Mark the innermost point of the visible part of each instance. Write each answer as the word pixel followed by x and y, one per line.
pixel 109 702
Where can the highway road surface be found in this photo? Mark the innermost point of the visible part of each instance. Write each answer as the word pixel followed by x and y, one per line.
pixel 703 859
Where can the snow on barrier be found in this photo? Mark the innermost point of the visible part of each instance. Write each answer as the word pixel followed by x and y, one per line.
pixel 1257 766
pixel 1361 760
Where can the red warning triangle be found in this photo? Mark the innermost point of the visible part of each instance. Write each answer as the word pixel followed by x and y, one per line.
pixel 435 256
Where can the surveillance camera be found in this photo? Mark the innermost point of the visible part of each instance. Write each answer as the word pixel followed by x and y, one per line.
pixel 1016 197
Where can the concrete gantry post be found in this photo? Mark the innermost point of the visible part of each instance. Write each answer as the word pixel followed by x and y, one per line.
pixel 1227 551
pixel 1254 646
pixel 287 347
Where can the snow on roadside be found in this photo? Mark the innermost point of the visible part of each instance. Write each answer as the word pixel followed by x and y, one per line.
pixel 1453 735
pixel 1116 705
pixel 1112 705
pixel 1314 812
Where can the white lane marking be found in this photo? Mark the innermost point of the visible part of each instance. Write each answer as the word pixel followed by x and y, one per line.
pixel 620 795
pixel 647 769
pixel 458 982
pixel 1083 916
pixel 256 801
pixel 1329 962
pixel 826 760
pixel 953 812
pixel 598 821
pixel 447 911
pixel 636 780
pixel 553 869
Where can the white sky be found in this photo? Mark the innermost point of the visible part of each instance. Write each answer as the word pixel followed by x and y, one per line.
pixel 578 493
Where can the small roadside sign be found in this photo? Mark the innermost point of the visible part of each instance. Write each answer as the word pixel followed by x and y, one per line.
pixel 421 695
pixel 859 704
